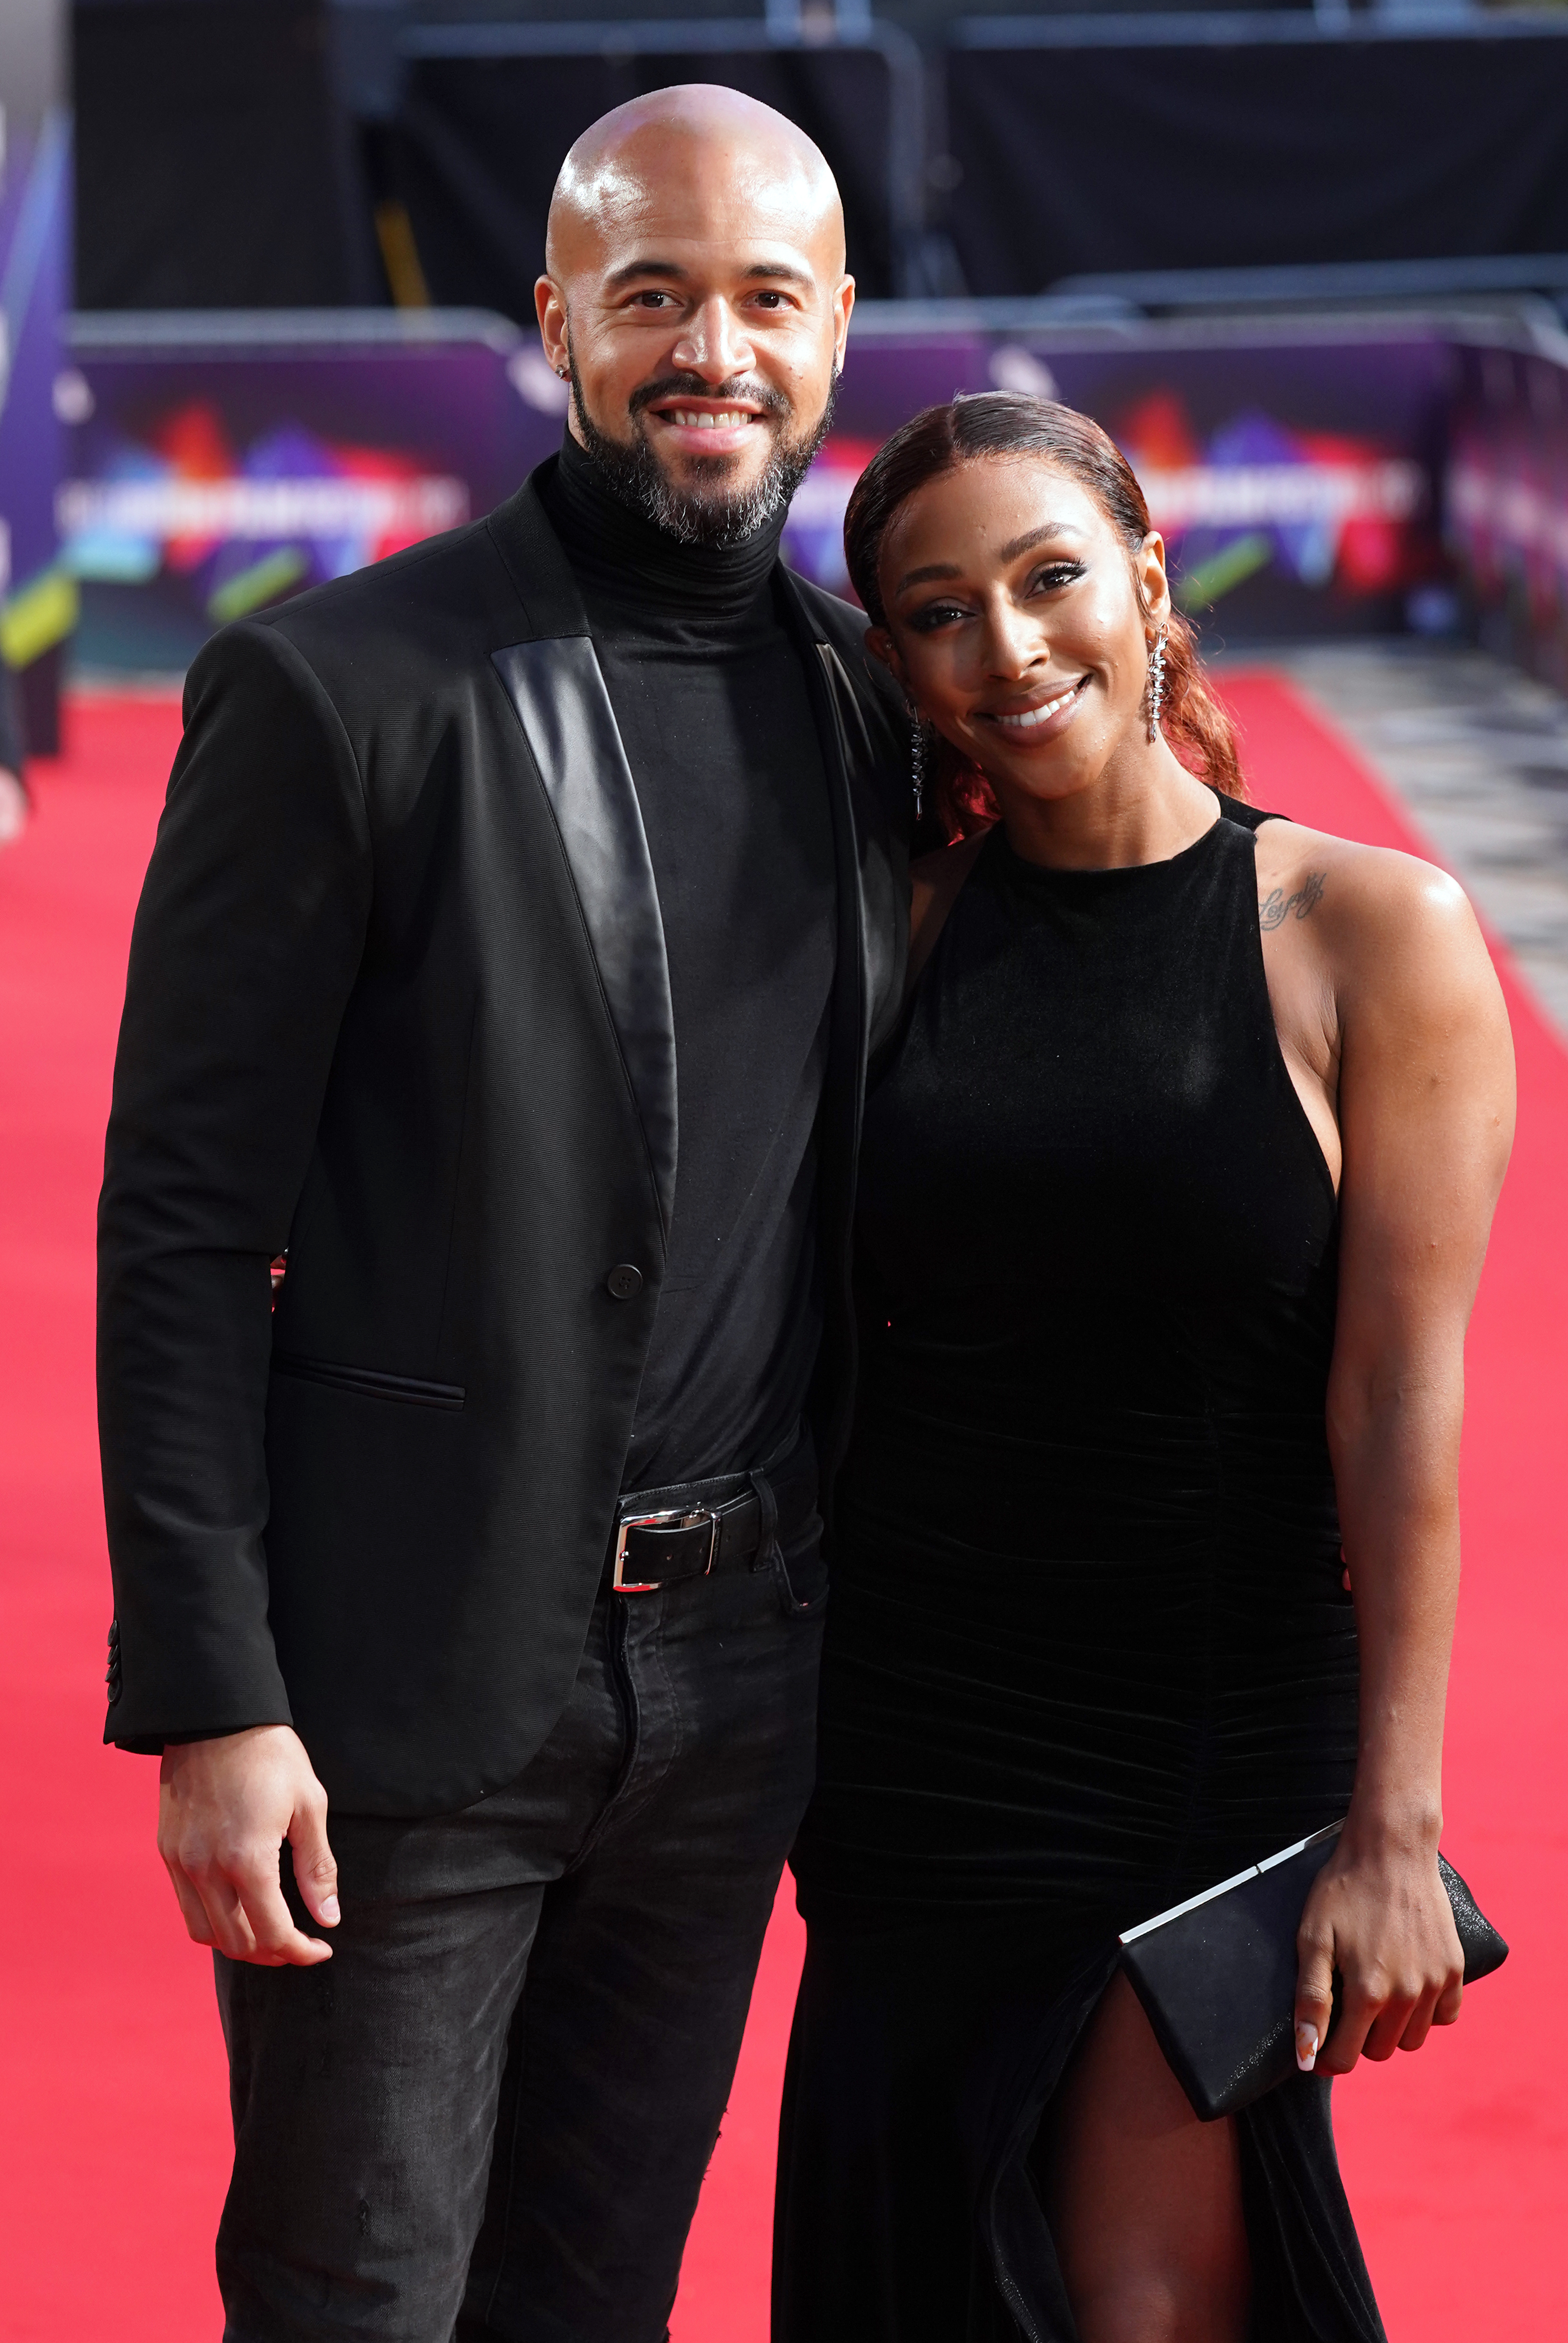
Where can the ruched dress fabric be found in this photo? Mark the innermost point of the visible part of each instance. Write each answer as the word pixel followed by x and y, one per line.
pixel 1089 1650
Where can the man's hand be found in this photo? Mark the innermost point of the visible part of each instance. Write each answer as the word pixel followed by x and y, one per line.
pixel 224 1809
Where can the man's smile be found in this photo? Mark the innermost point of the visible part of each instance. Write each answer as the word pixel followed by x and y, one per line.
pixel 707 427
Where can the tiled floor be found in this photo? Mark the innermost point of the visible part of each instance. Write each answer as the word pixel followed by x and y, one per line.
pixel 1479 752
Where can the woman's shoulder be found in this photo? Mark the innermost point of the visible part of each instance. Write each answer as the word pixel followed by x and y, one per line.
pixel 1389 931
pixel 1373 891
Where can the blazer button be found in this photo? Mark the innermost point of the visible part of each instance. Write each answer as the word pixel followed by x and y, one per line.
pixel 625 1282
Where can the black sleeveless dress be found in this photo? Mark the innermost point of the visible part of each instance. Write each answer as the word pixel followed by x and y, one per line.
pixel 1089 1650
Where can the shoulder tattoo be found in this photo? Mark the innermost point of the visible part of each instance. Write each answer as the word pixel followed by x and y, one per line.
pixel 1276 907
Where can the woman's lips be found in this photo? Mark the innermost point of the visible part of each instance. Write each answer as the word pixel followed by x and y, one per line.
pixel 1022 722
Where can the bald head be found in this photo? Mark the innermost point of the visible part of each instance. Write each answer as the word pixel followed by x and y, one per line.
pixel 688 148
pixel 694 294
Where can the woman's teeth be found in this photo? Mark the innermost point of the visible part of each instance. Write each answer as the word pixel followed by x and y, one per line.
pixel 1033 717
pixel 692 420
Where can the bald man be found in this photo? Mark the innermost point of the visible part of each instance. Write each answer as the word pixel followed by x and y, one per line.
pixel 474 1328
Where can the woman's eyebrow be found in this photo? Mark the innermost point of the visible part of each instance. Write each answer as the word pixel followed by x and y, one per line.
pixel 921 576
pixel 1017 544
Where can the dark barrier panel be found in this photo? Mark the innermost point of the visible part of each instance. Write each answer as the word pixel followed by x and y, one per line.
pixel 488 113
pixel 212 169
pixel 1093 143
pixel 1508 504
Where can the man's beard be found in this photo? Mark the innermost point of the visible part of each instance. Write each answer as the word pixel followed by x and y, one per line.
pixel 709 511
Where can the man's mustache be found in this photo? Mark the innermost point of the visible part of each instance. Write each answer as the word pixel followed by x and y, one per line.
pixel 674 386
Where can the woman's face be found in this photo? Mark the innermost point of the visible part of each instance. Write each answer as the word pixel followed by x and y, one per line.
pixel 1014 623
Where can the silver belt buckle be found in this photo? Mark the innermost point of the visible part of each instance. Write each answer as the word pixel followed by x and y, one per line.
pixel 676 1518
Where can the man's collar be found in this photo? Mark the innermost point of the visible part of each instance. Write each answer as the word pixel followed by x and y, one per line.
pixel 537 563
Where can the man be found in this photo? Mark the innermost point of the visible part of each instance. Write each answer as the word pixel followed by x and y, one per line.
pixel 520 920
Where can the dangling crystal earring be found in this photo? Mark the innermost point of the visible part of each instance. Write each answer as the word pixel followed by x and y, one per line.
pixel 1155 695
pixel 917 758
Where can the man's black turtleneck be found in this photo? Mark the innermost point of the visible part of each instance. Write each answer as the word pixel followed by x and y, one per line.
pixel 709 693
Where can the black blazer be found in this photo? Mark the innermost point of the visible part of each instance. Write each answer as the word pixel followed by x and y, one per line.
pixel 398 1002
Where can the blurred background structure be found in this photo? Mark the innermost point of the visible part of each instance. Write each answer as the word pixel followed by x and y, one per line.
pixel 38 601
pixel 1310 264
pixel 266 278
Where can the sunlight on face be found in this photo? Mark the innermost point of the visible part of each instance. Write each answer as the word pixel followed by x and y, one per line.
pixel 1014 622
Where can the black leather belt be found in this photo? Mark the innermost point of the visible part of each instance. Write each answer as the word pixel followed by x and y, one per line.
pixel 692 1528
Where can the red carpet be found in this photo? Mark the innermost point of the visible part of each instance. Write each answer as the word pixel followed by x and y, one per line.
pixel 112 2163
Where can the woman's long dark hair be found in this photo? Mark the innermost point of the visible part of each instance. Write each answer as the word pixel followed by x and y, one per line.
pixel 1005 423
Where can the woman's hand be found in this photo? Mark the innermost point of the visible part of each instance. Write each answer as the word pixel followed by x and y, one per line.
pixel 1381 1921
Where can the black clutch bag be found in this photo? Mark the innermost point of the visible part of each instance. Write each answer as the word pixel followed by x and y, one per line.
pixel 1217 1975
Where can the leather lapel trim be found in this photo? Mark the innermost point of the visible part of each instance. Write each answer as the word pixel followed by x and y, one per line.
pixel 835 706
pixel 558 693
pixel 835 695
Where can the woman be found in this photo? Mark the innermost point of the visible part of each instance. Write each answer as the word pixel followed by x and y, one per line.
pixel 1176 1187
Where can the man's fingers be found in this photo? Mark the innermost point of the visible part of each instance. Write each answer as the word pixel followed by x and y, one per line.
pixel 226 1805
pixel 247 1916
pixel 1314 1993
pixel 193 1911
pixel 276 1940
pixel 314 1868
pixel 228 1929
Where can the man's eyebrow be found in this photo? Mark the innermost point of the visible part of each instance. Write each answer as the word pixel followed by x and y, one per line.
pixel 630 270
pixel 788 272
pixel 1010 551
pixel 773 272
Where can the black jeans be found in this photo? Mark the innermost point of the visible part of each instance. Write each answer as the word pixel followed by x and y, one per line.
pixel 490 2112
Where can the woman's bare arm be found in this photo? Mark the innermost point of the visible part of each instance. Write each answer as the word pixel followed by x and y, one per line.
pixel 1425 1112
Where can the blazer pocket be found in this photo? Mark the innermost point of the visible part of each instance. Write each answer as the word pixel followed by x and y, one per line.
pixel 369 1381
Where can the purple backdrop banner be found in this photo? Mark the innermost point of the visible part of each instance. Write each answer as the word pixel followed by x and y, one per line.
pixel 1294 471
pixel 222 462
pixel 38 595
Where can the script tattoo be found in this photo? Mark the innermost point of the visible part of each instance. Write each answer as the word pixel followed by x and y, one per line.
pixel 1276 907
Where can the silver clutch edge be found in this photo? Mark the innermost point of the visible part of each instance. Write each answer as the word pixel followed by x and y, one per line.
pixel 1254 1871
